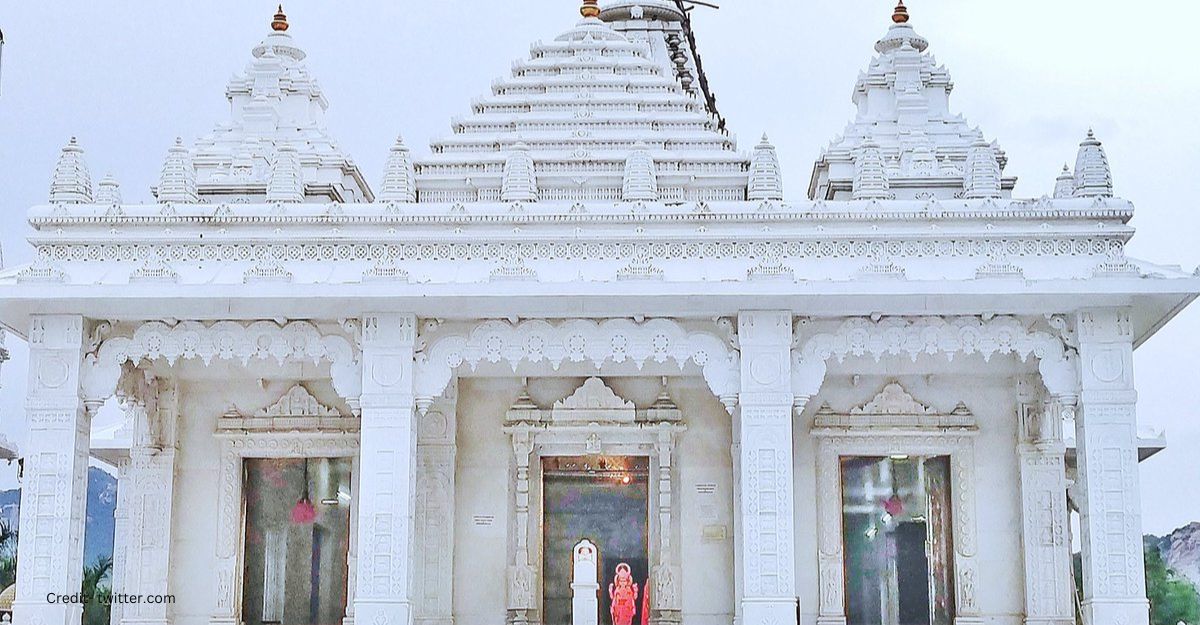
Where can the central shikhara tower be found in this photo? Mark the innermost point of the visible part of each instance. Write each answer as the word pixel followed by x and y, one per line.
pixel 910 374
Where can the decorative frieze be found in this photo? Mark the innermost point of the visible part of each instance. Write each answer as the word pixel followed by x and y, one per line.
pixel 576 341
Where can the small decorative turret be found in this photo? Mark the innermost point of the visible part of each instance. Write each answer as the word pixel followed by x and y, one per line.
pixel 520 176
pixel 1064 185
pixel 108 192
pixel 178 181
pixel 287 181
pixel 870 173
pixel 1093 177
pixel 982 176
pixel 71 183
pixel 766 180
pixel 398 176
pixel 279 23
pixel 641 177
pixel 590 9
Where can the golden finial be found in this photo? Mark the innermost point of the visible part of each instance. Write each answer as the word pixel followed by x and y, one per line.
pixel 280 22
pixel 901 14
pixel 590 8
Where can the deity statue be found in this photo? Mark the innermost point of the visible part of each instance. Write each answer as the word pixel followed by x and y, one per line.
pixel 624 595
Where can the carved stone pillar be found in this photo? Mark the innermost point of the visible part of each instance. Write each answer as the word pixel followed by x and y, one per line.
pixel 434 527
pixel 151 478
pixel 383 592
pixel 665 597
pixel 120 539
pixel 1114 581
pixel 768 558
pixel 522 577
pixel 1044 515
pixel 50 543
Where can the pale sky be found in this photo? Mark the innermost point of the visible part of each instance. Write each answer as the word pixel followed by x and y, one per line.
pixel 128 77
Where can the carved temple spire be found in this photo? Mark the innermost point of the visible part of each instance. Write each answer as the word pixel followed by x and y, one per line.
pixel 287 181
pixel 1093 177
pixel 900 15
pixel 520 176
pixel 178 180
pixel 1064 185
pixel 766 179
pixel 870 173
pixel 108 191
pixel 982 176
pixel 641 178
pixel 71 183
pixel 399 176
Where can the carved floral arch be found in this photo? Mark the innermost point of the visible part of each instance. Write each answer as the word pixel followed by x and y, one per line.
pixel 948 336
pixel 296 341
pixel 614 341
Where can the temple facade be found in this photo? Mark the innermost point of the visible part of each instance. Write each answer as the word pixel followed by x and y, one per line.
pixel 584 361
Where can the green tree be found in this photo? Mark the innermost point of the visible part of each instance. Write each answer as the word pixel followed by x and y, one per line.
pixel 96 591
pixel 8 555
pixel 1173 599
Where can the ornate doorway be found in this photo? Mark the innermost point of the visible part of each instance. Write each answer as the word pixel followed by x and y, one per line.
pixel 604 499
pixel 561 492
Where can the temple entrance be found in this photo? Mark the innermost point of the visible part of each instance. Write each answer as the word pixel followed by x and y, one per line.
pixel 603 499
pixel 297 536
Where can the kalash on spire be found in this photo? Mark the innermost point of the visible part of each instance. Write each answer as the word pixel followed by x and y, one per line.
pixel 905 142
pixel 590 9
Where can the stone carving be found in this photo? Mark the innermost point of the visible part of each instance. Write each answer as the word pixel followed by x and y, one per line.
pixel 297 402
pixel 71 184
pixel 766 181
pixel 948 336
pixel 178 180
pixel 577 341
pixel 399 177
pixel 296 341
pixel 585 584
pixel 893 400
pixel 593 401
pixel 1093 177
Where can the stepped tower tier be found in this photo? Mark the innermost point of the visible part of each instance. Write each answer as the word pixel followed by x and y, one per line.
pixel 902 106
pixel 580 106
pixel 274 102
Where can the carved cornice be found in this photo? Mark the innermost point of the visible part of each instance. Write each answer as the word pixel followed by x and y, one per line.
pixel 946 336
pixel 577 341
pixel 295 341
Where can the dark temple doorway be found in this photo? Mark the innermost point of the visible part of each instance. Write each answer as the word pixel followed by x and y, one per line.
pixel 604 499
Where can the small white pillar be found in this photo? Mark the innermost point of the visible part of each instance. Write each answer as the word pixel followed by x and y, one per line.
pixel 1110 509
pixel 767 555
pixel 387 475
pixel 54 489
pixel 585 584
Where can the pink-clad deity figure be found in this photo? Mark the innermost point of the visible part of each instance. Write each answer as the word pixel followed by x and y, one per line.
pixel 623 592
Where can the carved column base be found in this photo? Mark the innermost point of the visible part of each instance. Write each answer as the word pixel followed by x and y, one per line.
pixel 384 612
pixel 40 612
pixel 666 617
pixel 968 620
pixel 773 611
pixel 831 620
pixel 223 620
pixel 1127 612
pixel 349 620
pixel 1050 620
pixel 439 620
pixel 522 617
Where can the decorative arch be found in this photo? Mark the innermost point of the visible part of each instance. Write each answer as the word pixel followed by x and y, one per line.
pixel 949 336
pixel 578 341
pixel 295 341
